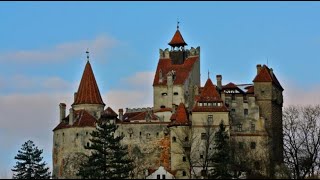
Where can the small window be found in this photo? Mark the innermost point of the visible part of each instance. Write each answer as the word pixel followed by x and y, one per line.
pixel 184 159
pixel 201 156
pixel 203 136
pixel 140 133
pixel 245 98
pixel 239 127
pixel 130 135
pixel 88 144
pixel 184 173
pixel 163 106
pixel 262 91
pixel 174 139
pixel 233 111
pixel 203 172
pixel 62 134
pixel 122 134
pixel 164 94
pixel 241 145
pixel 233 97
pixel 253 145
pixel 252 127
pixel 163 176
pixel 157 134
pixel 186 139
pixel 86 133
pixel 205 104
pixel 175 93
pixel 158 176
pixel 246 112
pixel 210 119
pixel 257 165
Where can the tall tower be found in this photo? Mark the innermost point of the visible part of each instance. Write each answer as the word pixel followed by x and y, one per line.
pixel 177 73
pixel 268 92
pixel 73 131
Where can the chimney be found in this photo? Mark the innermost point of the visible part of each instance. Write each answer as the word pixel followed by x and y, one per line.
pixel 219 81
pixel 62 111
pixel 75 96
pixel 70 116
pixel 258 68
pixel 121 114
pixel 271 72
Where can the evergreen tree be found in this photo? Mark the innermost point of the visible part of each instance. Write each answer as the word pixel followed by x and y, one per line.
pixel 108 159
pixel 221 158
pixel 29 165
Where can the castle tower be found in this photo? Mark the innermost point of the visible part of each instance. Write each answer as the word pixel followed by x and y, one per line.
pixel 178 72
pixel 88 95
pixel 268 93
pixel 72 134
pixel 180 142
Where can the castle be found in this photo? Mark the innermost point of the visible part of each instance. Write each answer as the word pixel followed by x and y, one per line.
pixel 177 132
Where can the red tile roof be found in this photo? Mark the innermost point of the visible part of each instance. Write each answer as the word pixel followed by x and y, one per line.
pixel 250 90
pixel 180 117
pixel 109 113
pixel 81 119
pixel 209 93
pixel 177 40
pixel 222 108
pixel 265 76
pixel 182 71
pixel 163 110
pixel 88 91
pixel 143 116
pixel 230 85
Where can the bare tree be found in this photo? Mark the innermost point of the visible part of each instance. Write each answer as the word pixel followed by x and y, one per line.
pixel 196 145
pixel 301 131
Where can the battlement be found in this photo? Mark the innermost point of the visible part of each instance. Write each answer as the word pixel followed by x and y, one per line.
pixel 165 54
pixel 130 110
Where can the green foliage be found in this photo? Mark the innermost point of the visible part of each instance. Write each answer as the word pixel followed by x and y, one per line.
pixel 108 159
pixel 221 158
pixel 29 165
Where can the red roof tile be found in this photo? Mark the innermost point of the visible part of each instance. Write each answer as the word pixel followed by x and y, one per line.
pixel 181 70
pixel 143 116
pixel 177 40
pixel 265 76
pixel 222 108
pixel 109 113
pixel 88 91
pixel 128 115
pixel 230 85
pixel 181 116
pixel 209 93
pixel 250 90
pixel 81 119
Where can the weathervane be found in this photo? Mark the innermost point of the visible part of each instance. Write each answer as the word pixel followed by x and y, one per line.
pixel 178 24
pixel 87 54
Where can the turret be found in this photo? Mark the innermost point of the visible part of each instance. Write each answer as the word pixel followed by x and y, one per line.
pixel 62 107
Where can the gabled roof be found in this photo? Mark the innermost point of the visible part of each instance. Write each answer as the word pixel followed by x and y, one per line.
pixel 177 40
pixel 88 91
pixel 250 90
pixel 81 119
pixel 265 76
pixel 231 85
pixel 182 71
pixel 144 116
pixel 180 117
pixel 109 113
pixel 209 93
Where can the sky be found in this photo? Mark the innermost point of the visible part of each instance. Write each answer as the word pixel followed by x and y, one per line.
pixel 43 45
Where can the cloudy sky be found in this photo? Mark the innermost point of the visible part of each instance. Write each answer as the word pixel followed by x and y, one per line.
pixel 43 44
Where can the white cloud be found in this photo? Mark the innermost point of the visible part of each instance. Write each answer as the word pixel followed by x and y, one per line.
pixel 25 117
pixel 60 52
pixel 22 83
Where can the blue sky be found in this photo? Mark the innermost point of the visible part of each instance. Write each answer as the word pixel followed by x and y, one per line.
pixel 43 44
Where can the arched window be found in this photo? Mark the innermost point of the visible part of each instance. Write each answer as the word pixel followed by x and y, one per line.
pixel 174 139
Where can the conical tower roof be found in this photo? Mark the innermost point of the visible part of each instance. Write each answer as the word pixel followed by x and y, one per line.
pixel 177 40
pixel 88 92
pixel 209 93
